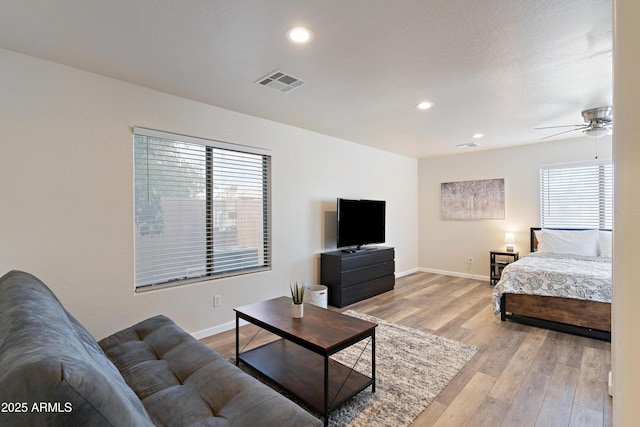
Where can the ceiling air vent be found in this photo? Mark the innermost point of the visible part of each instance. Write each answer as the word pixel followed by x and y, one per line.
pixel 468 145
pixel 280 81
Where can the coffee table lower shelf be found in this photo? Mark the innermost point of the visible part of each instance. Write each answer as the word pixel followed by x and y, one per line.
pixel 301 372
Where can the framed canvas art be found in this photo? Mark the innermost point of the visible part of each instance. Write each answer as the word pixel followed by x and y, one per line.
pixel 471 200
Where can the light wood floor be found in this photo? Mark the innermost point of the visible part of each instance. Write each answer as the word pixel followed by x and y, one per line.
pixel 521 376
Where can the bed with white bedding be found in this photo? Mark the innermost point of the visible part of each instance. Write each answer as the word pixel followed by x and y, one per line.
pixel 565 285
pixel 561 275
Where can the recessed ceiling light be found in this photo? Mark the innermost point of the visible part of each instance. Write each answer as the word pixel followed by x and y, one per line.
pixel 299 35
pixel 424 105
pixel 477 135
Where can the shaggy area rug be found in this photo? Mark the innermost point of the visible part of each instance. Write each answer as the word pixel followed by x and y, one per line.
pixel 412 368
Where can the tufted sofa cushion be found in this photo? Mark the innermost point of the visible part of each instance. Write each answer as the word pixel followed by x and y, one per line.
pixel 48 358
pixel 52 368
pixel 182 382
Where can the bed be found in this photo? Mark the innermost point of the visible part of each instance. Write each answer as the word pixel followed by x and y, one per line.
pixel 563 284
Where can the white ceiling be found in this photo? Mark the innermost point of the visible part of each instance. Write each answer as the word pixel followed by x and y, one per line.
pixel 498 67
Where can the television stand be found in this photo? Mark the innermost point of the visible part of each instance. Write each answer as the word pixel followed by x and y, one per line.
pixel 354 276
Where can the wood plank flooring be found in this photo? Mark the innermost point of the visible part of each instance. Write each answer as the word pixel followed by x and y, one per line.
pixel 522 376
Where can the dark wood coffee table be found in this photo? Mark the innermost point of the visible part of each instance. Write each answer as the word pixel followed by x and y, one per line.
pixel 299 362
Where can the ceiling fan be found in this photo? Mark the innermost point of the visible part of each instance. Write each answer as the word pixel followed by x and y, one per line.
pixel 599 122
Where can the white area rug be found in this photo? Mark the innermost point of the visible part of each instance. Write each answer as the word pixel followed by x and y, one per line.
pixel 412 368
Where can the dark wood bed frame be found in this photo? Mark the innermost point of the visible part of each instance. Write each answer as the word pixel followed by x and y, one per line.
pixel 580 317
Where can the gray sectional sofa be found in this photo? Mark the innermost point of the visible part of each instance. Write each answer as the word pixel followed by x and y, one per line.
pixel 53 373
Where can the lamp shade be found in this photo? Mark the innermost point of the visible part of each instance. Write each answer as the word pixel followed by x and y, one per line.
pixel 509 239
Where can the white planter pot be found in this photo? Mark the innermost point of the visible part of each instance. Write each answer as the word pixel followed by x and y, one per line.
pixel 297 310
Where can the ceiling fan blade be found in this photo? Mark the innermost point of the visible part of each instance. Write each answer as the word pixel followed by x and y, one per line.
pixel 564 126
pixel 566 131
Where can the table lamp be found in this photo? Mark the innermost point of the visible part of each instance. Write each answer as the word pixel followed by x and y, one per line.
pixel 509 239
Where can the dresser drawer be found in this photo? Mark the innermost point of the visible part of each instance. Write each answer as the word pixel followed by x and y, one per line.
pixel 367 257
pixel 351 277
pixel 365 290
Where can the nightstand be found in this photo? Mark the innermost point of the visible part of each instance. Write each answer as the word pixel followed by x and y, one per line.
pixel 498 260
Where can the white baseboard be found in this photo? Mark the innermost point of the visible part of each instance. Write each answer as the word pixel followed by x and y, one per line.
pixel 204 333
pixel 407 272
pixel 454 273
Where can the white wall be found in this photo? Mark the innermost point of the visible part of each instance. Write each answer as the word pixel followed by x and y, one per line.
pixel 446 245
pixel 626 238
pixel 66 183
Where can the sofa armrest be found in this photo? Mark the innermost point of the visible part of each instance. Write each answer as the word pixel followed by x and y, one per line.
pixel 52 365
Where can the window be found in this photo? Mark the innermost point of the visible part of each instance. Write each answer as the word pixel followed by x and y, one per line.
pixel 202 209
pixel 577 196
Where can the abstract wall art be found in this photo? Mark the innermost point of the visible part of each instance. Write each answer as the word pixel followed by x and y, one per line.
pixel 472 200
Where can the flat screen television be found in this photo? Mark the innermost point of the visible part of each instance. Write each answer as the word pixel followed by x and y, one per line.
pixel 360 222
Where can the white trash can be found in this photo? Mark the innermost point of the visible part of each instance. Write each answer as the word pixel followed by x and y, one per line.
pixel 316 295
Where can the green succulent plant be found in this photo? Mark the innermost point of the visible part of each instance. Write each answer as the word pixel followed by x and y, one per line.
pixel 297 292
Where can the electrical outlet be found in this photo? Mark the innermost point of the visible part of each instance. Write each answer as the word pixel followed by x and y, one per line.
pixel 470 260
pixel 216 300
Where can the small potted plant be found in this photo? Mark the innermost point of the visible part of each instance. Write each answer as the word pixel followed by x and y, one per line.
pixel 297 295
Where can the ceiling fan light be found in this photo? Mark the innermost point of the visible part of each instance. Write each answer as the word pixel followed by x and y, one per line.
pixel 597 132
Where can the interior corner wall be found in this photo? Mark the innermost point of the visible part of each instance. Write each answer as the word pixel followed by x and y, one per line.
pixel 66 180
pixel 446 245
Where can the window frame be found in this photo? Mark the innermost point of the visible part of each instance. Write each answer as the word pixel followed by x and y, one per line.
pixel 210 146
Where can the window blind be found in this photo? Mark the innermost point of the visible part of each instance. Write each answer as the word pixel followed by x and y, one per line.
pixel 577 196
pixel 202 209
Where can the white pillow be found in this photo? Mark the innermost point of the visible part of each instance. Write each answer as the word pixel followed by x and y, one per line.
pixel 605 243
pixel 572 242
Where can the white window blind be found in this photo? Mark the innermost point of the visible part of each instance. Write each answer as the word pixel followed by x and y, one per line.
pixel 202 209
pixel 577 196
